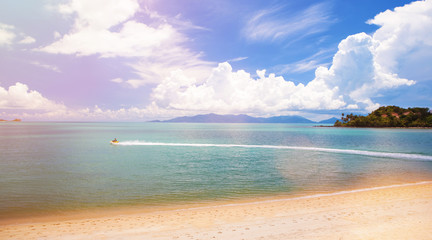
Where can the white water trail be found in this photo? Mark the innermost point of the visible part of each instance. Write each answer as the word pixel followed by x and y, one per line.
pixel 330 150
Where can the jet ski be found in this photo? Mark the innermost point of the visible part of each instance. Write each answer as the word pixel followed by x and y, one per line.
pixel 115 141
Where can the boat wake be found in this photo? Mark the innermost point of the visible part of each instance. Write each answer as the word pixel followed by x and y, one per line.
pixel 330 150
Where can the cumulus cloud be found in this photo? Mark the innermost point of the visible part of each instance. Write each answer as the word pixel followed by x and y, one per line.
pixel 108 29
pixel 404 32
pixel 62 113
pixel 97 15
pixel 31 105
pixel 46 66
pixel 133 40
pixel 19 97
pixel 228 91
pixel 6 34
pixel 117 80
pixel 27 40
pixel 357 74
pixel 363 67
pixel 353 79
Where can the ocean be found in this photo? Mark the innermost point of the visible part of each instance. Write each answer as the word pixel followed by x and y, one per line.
pixel 56 167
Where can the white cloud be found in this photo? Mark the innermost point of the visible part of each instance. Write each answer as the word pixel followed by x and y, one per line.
pixel 131 83
pixel 355 76
pixel 178 21
pixel 31 105
pixel 99 14
pixel 108 29
pixel 154 69
pixel 117 80
pixel 238 59
pixel 62 113
pixel 133 40
pixel 404 32
pixel 6 34
pixel 136 83
pixel 27 40
pixel 46 66
pixel 276 23
pixel 19 97
pixel 310 63
pixel 364 67
pixel 57 35
pixel 9 34
pixel 228 91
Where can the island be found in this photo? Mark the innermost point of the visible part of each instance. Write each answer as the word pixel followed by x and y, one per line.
pixel 15 120
pixel 242 118
pixel 389 116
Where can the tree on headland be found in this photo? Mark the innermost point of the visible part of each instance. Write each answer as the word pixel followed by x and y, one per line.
pixel 389 116
pixel 15 120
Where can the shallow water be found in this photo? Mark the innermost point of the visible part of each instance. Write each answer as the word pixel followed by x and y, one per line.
pixel 55 167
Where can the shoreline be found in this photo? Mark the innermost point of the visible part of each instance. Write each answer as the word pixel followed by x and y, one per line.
pixel 106 211
pixel 381 212
pixel 332 126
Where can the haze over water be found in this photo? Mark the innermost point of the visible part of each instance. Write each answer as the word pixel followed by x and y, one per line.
pixel 56 167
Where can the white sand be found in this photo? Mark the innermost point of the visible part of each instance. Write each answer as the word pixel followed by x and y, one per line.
pixel 397 212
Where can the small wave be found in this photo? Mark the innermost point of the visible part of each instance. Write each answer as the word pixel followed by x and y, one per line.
pixel 330 150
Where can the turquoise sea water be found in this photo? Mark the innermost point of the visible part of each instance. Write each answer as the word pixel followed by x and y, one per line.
pixel 56 167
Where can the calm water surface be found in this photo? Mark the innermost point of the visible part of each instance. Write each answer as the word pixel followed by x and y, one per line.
pixel 54 167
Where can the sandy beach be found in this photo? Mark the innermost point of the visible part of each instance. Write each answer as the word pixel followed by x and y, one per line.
pixel 389 212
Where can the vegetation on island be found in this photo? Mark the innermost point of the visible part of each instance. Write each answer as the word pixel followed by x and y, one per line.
pixel 15 120
pixel 389 116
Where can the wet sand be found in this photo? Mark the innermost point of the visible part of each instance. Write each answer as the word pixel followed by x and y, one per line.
pixel 392 212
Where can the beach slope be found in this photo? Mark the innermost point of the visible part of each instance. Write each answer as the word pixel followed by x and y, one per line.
pixel 393 212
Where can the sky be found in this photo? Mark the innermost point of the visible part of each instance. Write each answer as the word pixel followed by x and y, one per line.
pixel 140 60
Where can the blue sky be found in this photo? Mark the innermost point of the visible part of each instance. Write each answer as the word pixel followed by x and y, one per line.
pixel 137 60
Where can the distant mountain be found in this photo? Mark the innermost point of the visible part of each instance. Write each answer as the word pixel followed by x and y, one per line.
pixel 329 121
pixel 287 119
pixel 215 118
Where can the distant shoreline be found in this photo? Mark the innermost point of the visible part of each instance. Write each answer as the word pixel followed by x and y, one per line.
pixel 15 120
pixel 324 126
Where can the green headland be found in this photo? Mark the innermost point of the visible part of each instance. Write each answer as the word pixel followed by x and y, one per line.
pixel 389 116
